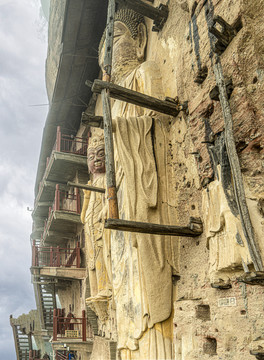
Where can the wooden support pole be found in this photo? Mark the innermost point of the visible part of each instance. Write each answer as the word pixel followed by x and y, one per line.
pixel 86 187
pixel 110 163
pixel 58 139
pixel 55 325
pixel 78 202
pixel 159 15
pixel 78 255
pixel 136 98
pixel 51 256
pixel 109 36
pixel 195 228
pixel 236 170
pixel 83 326
pixel 57 198
pixel 108 132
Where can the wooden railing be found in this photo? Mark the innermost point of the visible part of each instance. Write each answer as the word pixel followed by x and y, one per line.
pixel 70 144
pixel 61 355
pixel 63 201
pixel 69 326
pixel 66 201
pixel 56 256
pixel 34 355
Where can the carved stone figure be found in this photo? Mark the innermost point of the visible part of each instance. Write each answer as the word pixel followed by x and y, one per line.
pixel 141 263
pixel 97 249
pixel 228 251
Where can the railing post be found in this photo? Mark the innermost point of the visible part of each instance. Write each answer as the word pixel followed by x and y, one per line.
pixel 30 355
pixel 78 255
pixel 78 203
pixel 51 256
pixel 55 324
pixel 58 139
pixel 58 256
pixel 57 198
pixel 83 326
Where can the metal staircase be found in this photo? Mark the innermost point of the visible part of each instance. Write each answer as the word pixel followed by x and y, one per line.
pixel 46 301
pixel 22 343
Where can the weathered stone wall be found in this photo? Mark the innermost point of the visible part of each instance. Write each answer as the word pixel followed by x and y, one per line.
pixel 208 322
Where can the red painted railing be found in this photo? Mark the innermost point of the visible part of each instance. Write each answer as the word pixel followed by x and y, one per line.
pixel 63 201
pixel 69 326
pixel 61 355
pixel 56 256
pixel 70 144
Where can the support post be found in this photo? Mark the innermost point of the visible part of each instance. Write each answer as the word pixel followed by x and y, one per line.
pixel 83 326
pixel 57 198
pixel 109 151
pixel 55 324
pixel 58 256
pixel 108 133
pixel 58 139
pixel 78 255
pixel 51 256
pixel 78 203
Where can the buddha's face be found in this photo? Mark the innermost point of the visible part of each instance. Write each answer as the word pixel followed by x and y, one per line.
pixel 128 53
pixel 96 160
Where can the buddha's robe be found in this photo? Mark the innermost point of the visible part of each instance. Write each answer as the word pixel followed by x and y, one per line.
pixel 226 241
pixel 96 241
pixel 141 263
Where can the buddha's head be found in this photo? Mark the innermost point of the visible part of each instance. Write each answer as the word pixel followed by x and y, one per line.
pixel 96 156
pixel 130 39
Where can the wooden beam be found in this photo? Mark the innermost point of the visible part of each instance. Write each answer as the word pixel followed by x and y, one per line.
pixel 224 37
pixel 195 227
pixel 86 187
pixel 110 162
pixel 92 120
pixel 136 98
pixel 159 14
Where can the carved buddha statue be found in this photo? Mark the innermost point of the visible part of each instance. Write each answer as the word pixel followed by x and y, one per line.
pixel 96 247
pixel 141 263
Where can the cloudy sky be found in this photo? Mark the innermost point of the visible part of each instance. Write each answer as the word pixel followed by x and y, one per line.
pixel 22 65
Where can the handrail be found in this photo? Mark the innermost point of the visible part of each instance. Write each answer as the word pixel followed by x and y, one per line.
pixel 70 144
pixel 66 201
pixel 56 256
pixel 70 326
